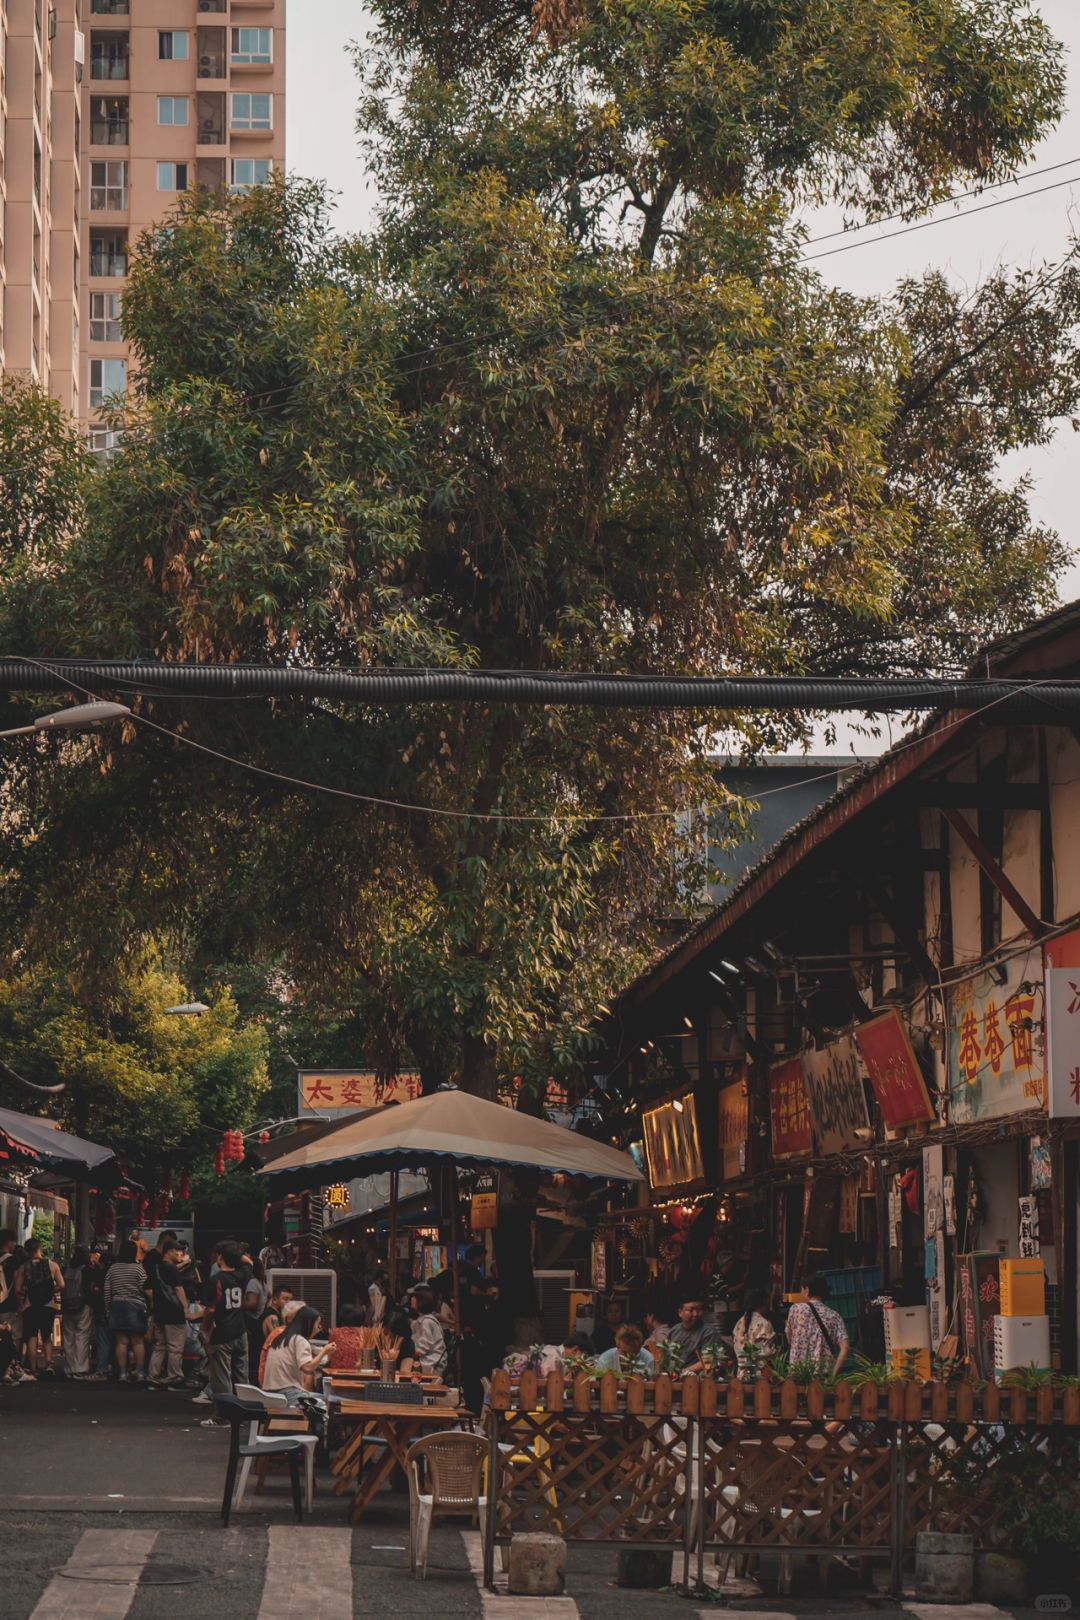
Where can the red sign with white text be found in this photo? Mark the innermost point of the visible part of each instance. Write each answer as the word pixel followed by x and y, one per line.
pixel 894 1072
pixel 789 1107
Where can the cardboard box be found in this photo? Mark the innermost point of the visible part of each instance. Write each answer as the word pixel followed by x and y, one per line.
pixel 1023 1287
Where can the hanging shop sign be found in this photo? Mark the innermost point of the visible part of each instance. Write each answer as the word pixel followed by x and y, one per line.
pixel 849 1206
pixel 933 1180
pixel 834 1087
pixel 789 1111
pixel 1028 1227
pixel 1041 1175
pixel 734 1108
pixel 484 1207
pixel 672 1143
pixel 336 1198
pixel 1062 958
pixel 978 1297
pixel 894 1071
pixel 330 1092
pixel 995 1066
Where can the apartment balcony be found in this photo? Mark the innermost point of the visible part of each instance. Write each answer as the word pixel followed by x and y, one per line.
pixel 110 8
pixel 210 114
pixel 211 52
pixel 219 6
pixel 109 56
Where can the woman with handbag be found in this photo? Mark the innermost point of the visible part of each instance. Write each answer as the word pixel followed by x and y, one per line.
pixel 817 1334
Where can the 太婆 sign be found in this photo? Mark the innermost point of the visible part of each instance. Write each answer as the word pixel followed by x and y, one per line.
pixel 894 1071
pixel 789 1110
pixel 339 1091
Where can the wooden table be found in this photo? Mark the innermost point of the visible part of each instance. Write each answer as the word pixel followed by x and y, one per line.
pixel 399 1426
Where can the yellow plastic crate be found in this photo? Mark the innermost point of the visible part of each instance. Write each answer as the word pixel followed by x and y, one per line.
pixel 912 1363
pixel 1023 1287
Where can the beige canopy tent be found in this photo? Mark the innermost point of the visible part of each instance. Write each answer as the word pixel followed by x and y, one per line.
pixel 449 1126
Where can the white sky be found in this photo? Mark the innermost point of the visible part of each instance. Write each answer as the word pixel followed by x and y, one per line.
pixel 321 141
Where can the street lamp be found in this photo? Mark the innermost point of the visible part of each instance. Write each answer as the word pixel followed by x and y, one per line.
pixel 81 718
pixel 188 1009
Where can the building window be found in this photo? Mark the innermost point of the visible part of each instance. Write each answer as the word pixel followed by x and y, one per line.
pixel 172 176
pixel 107 378
pixel 248 172
pixel 173 45
pixel 108 120
pixel 252 45
pixel 103 442
pixel 108 186
pixel 172 109
pixel 108 253
pixel 109 8
pixel 105 317
pixel 252 111
pixel 109 56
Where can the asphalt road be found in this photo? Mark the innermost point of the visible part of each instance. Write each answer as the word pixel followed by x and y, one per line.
pixel 108 1511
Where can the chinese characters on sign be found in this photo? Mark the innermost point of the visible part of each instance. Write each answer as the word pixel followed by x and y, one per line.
pixel 894 1071
pixel 994 1065
pixel 336 1198
pixel 1063 1026
pixel 734 1129
pixel 834 1086
pixel 792 1129
pixel 340 1091
pixel 1029 1227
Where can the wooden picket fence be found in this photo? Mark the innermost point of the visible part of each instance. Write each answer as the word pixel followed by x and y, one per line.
pixel 796 1469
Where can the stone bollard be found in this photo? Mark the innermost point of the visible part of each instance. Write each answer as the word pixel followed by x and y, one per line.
pixel 537 1564
pixel 944 1567
pixel 1000 1578
pixel 647 1568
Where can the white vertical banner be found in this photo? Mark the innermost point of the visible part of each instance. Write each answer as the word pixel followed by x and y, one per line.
pixel 933 1180
pixel 1062 1038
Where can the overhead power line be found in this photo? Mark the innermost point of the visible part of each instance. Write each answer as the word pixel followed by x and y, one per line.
pixel 393 687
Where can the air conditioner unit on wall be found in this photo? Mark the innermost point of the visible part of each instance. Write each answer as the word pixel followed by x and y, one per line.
pixel 316 1287
pixel 553 1290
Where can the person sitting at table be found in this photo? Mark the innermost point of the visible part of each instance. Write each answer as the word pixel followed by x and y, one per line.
pixel 691 1333
pixel 627 1355
pixel 288 1311
pixel 400 1327
pixel 428 1338
pixel 292 1362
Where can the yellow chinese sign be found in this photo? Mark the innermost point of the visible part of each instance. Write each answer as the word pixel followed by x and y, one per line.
pixel 994 1066
pixel 336 1197
pixel 340 1091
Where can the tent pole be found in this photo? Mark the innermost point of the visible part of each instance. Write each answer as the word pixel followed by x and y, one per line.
pixel 454 1266
pixel 392 1256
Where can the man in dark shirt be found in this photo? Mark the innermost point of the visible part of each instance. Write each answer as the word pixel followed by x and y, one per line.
pixel 170 1316
pixel 223 1325
pixel 94 1275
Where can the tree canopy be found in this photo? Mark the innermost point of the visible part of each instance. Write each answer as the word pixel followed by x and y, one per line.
pixel 578 401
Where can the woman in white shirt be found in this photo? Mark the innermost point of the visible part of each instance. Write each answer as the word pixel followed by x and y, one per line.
pixel 428 1339
pixel 291 1362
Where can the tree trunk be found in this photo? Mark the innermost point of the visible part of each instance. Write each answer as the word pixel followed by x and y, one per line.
pixel 479 1076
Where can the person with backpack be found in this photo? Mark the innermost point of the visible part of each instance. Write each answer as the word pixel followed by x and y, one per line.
pixel 76 1317
pixel 38 1285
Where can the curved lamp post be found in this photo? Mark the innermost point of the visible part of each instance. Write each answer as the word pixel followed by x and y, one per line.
pixel 83 717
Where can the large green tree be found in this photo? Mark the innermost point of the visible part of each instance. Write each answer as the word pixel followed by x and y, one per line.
pixel 577 402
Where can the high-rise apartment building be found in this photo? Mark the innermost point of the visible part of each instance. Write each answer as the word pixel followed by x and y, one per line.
pixel 177 93
pixel 40 194
pixel 109 109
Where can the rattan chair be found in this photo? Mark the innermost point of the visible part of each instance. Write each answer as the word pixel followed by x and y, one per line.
pixel 445 1481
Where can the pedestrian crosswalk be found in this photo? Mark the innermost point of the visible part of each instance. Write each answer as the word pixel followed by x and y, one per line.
pixel 100 1579
pixel 288 1571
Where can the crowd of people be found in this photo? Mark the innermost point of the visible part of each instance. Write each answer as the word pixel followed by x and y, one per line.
pixel 150 1315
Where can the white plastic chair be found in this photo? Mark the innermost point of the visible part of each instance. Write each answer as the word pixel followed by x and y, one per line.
pixel 275 1402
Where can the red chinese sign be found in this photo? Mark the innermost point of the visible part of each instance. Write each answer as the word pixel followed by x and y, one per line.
pixel 894 1072
pixel 334 1091
pixel 792 1128
pixel 1062 958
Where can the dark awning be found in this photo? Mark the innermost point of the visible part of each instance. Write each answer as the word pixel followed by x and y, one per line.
pixel 31 1143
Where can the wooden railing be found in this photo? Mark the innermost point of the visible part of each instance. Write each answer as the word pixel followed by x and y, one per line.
pixel 839 1468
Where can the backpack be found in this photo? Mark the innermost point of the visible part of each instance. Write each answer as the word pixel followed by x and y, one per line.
pixel 73 1299
pixel 40 1289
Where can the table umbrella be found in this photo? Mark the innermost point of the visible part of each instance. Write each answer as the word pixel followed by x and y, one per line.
pixel 34 1143
pixel 449 1125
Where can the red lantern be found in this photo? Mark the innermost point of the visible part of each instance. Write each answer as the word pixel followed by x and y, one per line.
pixel 264 1137
pixel 185 1187
pixel 219 1162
